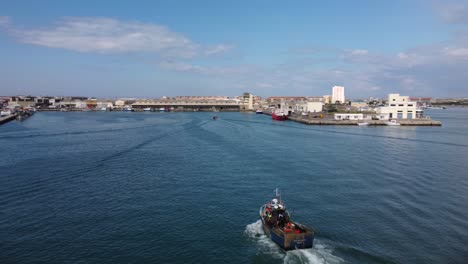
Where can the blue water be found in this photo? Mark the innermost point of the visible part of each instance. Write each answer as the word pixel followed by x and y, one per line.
pixel 116 187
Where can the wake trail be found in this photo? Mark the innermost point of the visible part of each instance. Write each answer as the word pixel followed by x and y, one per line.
pixel 319 254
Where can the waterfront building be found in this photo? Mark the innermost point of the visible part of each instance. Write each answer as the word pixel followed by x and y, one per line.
pixel 348 116
pixel 400 107
pixel 189 105
pixel 120 103
pixel 278 99
pixel 22 101
pixel 249 101
pixel 327 99
pixel 104 104
pixel 72 103
pixel 309 107
pixel 202 97
pixel 338 94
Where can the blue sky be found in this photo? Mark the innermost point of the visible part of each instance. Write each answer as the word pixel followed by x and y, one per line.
pixel 155 48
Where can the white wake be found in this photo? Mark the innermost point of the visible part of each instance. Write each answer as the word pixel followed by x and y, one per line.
pixel 319 254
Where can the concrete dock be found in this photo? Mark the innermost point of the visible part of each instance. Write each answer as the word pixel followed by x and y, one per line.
pixel 402 122
pixel 327 121
pixel 5 119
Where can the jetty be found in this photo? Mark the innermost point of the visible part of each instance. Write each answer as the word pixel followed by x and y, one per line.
pixel 6 119
pixel 314 120
pixel 402 122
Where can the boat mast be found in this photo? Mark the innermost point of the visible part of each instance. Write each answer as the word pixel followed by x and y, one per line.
pixel 278 194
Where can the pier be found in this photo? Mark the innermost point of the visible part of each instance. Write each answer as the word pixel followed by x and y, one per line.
pixel 327 121
pixel 6 119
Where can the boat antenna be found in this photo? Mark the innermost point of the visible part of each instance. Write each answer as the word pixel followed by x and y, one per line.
pixel 278 194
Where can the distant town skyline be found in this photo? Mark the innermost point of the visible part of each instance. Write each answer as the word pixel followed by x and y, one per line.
pixel 151 49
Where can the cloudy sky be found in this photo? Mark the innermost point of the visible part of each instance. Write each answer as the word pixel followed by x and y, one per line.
pixel 173 47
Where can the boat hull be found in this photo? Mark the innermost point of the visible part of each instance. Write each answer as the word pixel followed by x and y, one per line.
pixel 289 240
pixel 279 117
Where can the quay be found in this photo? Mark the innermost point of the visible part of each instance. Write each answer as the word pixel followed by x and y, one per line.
pixel 327 122
pixel 402 122
pixel 6 119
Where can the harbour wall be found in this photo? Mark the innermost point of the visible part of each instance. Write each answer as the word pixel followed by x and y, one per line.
pixel 5 119
pixel 327 122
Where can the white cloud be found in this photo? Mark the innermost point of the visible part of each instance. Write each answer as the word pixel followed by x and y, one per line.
pixel 4 21
pixel 206 70
pixel 454 12
pixel 106 35
pixel 402 55
pixel 359 52
pixel 458 52
pixel 221 48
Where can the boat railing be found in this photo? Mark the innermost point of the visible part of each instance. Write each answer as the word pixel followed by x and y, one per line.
pixel 262 209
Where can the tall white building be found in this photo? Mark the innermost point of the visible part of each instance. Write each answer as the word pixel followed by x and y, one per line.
pixel 338 94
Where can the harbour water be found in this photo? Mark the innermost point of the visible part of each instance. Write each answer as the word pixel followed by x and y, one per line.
pixel 119 187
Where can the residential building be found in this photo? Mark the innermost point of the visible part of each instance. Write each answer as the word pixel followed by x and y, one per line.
pixel 338 94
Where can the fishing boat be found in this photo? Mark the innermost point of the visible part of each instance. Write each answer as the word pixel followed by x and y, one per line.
pixel 393 122
pixel 147 109
pixel 362 124
pixel 128 109
pixel 259 111
pixel 281 229
pixel 279 115
pixel 162 109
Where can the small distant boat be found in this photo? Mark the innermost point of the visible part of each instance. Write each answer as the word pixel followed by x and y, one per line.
pixel 128 109
pixel 393 123
pixel 435 107
pixel 279 115
pixel 304 114
pixel 259 111
pixel 103 109
pixel 215 117
pixel 162 109
pixel 281 229
pixel 362 124
pixel 147 109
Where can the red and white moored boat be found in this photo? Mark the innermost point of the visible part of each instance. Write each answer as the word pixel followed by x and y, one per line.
pixel 279 115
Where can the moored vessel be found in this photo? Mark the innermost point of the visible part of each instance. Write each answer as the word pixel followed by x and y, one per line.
pixel 393 122
pixel 279 115
pixel 259 111
pixel 281 229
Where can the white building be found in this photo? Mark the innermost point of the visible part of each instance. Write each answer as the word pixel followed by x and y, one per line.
pixel 247 99
pixel 400 107
pixel 120 103
pixel 309 107
pixel 338 94
pixel 348 116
